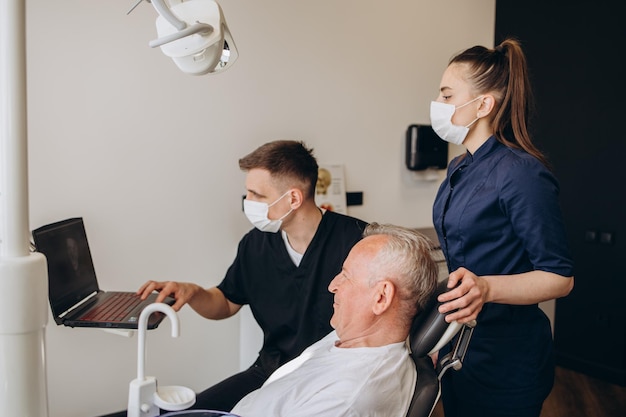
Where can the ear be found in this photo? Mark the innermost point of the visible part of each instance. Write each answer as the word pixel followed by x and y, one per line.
pixel 385 291
pixel 487 104
pixel 296 197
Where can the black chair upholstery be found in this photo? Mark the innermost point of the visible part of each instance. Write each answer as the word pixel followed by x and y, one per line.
pixel 429 332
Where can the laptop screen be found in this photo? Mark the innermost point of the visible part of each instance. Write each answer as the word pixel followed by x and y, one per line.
pixel 71 274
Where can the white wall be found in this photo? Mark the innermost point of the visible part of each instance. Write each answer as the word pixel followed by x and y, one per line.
pixel 148 155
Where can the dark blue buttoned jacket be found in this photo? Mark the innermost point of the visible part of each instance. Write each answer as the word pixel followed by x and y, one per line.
pixel 497 213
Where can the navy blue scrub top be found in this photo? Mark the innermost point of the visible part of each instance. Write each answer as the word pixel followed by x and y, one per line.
pixel 497 213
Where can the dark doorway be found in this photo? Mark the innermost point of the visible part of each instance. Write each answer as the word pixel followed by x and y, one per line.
pixel 574 51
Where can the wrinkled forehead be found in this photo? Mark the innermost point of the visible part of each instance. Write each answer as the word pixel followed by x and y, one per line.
pixel 365 250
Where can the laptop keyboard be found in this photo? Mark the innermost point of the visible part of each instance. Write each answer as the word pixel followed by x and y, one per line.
pixel 114 308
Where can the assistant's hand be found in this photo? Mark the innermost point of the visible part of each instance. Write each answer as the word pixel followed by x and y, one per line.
pixel 468 294
pixel 182 292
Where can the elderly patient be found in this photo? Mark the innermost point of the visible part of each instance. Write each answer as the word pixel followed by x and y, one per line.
pixel 362 368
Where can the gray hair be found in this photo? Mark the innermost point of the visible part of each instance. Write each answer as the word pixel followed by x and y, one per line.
pixel 406 261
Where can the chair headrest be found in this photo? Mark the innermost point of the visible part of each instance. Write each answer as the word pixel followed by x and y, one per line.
pixel 429 330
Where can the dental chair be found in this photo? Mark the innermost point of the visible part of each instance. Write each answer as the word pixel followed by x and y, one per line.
pixel 430 332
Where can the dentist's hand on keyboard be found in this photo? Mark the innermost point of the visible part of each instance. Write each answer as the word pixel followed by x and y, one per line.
pixel 209 303
pixel 182 292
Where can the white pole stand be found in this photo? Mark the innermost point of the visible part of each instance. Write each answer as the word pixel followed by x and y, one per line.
pixel 23 276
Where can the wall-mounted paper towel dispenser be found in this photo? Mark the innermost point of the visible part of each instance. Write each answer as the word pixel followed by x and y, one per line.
pixel 424 149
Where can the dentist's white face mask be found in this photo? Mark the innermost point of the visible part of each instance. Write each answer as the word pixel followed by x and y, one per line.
pixel 441 121
pixel 256 212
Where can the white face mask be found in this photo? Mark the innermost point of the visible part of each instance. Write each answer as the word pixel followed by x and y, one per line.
pixel 256 212
pixel 441 121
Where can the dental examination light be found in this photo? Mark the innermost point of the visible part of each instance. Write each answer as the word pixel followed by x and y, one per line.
pixel 194 34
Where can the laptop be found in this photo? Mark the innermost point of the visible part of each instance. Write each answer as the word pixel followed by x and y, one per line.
pixel 76 299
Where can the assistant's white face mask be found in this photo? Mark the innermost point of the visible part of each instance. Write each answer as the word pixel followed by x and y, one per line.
pixel 256 212
pixel 441 121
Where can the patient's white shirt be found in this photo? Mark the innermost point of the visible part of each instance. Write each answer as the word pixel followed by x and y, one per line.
pixel 326 380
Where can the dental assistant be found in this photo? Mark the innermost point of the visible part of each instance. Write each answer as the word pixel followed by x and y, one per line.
pixel 500 226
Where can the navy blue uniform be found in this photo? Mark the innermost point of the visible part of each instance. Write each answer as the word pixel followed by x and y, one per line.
pixel 497 213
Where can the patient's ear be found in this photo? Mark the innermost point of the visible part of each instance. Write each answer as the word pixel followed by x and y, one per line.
pixel 385 291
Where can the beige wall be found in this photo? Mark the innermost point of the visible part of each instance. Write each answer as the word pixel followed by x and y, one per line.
pixel 148 155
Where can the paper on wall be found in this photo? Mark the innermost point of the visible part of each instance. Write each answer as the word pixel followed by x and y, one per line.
pixel 330 191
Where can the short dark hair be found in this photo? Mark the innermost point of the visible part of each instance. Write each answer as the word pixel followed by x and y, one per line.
pixel 287 161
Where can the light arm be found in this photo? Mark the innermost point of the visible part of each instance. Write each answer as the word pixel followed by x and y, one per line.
pixel 200 28
pixel 167 14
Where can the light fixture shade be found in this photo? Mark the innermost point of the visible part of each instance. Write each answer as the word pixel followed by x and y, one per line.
pixel 204 44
